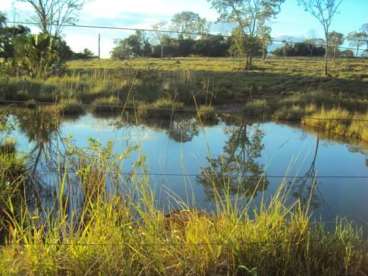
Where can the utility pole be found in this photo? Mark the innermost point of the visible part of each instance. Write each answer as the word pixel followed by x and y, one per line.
pixel 99 46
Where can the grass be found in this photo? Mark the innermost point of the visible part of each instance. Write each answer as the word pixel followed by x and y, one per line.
pixel 339 122
pixel 206 114
pixel 216 81
pixel 128 235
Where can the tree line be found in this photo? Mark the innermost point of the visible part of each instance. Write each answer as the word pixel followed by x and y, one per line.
pixel 45 53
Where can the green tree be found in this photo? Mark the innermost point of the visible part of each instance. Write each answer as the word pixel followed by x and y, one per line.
pixel 136 45
pixel 249 16
pixel 335 40
pixel 265 39
pixel 324 11
pixel 8 38
pixel 357 39
pixel 189 23
pixel 38 55
pixel 237 170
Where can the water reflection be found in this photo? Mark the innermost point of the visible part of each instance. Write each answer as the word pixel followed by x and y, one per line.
pixel 236 169
pixel 243 157
pixel 305 187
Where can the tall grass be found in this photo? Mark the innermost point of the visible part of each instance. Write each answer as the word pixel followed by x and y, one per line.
pixel 339 122
pixel 128 235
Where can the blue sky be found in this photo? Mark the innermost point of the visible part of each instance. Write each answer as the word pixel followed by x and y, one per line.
pixel 292 21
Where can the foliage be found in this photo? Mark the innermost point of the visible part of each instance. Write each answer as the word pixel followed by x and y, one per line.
pixel 335 40
pixel 357 39
pixel 38 55
pixel 250 17
pixel 300 49
pixel 188 24
pixel 135 45
pixel 324 11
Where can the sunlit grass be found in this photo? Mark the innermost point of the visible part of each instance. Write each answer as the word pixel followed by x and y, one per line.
pixel 128 235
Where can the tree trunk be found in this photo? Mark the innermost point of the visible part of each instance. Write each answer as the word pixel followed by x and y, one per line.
pixel 264 53
pixel 326 59
pixel 248 62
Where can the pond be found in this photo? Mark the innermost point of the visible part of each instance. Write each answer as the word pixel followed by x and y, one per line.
pixel 184 158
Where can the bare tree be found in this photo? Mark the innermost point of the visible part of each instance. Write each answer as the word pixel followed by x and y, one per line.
pixel 158 27
pixel 364 29
pixel 249 16
pixel 357 39
pixel 52 15
pixel 324 11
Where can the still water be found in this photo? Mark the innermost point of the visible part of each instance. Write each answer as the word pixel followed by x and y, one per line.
pixel 180 153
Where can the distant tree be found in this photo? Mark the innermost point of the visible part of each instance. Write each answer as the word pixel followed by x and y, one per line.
pixel 212 46
pixel 136 45
pixel 315 43
pixel 357 39
pixel 324 11
pixel 265 39
pixel 335 40
pixel 51 15
pixel 300 49
pixel 189 23
pixel 347 53
pixel 85 54
pixel 249 16
pixel 158 27
pixel 364 29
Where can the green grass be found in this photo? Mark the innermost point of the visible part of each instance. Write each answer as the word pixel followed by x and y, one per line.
pixel 339 122
pixel 210 81
pixel 128 235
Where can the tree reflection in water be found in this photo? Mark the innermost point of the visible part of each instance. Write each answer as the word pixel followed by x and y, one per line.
pixel 41 126
pixel 305 188
pixel 237 170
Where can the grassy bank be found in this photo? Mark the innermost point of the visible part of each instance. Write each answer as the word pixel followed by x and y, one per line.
pixel 128 235
pixel 208 81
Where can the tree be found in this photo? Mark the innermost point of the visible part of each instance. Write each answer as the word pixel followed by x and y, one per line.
pixel 364 29
pixel 136 45
pixel 237 170
pixel 265 39
pixel 249 16
pixel 188 24
pixel 335 40
pixel 2 20
pixel 324 11
pixel 38 55
pixel 300 49
pixel 357 39
pixel 52 15
pixel 8 39
pixel 160 35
